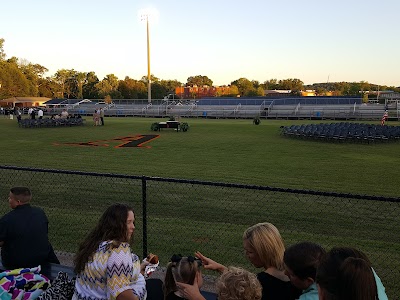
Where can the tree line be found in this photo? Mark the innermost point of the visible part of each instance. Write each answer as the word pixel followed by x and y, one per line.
pixel 21 78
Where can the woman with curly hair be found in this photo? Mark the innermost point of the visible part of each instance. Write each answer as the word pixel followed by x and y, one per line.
pixel 104 263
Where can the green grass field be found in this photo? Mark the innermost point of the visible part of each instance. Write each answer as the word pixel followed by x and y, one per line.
pixel 184 217
pixel 217 150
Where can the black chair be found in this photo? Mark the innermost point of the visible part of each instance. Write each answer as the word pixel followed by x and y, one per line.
pixel 154 288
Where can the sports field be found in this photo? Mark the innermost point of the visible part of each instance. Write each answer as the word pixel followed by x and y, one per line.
pixel 216 150
pixel 185 218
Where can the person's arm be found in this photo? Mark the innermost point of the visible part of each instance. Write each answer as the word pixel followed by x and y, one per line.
pixel 143 267
pixel 210 264
pixel 139 283
pixel 119 282
pixel 3 232
pixel 123 275
pixel 52 257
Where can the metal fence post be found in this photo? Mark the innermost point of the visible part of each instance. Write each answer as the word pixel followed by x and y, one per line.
pixel 144 214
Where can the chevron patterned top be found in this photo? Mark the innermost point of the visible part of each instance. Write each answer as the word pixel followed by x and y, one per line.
pixel 111 271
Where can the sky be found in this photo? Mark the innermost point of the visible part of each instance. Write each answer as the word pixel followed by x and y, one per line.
pixel 312 40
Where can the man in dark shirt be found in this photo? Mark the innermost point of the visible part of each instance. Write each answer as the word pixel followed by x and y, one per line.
pixel 23 234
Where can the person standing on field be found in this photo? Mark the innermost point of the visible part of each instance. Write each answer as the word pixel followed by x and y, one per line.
pixel 102 116
pixel 40 113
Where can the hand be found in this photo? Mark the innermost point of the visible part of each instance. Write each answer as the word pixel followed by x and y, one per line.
pixel 143 266
pixel 191 292
pixel 210 264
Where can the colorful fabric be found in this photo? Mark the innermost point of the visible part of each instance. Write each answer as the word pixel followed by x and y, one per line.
pixel 111 271
pixel 22 284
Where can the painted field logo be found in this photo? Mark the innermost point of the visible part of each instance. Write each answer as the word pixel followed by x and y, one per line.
pixel 138 141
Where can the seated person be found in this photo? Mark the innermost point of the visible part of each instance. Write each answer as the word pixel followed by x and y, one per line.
pixel 238 284
pixel 234 284
pixel 24 234
pixel 264 248
pixel 181 269
pixel 301 264
pixel 346 273
pixel 64 114
pixel 106 267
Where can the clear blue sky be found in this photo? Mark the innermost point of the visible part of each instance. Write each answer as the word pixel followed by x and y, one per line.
pixel 313 40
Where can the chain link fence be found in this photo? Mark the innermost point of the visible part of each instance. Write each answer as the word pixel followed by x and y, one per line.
pixel 182 216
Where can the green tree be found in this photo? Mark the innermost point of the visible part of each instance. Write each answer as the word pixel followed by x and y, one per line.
pixel 293 84
pixel 89 90
pixel 47 87
pixel 233 90
pixel 199 80
pixel 365 98
pixel 158 91
pixel 13 81
pixel 152 78
pixel 244 86
pixel 33 72
pixel 170 85
pixel 109 86
pixel 132 89
pixel 107 99
pixel 62 78
pixel 271 84
pixel 80 80
pixel 256 84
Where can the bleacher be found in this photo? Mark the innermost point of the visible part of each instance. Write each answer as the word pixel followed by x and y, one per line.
pixel 335 108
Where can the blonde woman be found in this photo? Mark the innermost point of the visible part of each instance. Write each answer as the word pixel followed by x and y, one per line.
pixel 264 248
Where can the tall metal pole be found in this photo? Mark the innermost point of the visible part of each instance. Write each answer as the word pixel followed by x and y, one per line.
pixel 148 61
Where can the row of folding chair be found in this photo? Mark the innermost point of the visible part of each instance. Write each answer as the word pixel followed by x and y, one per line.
pixel 35 123
pixel 343 132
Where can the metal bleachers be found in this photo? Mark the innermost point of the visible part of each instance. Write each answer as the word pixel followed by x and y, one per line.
pixel 335 108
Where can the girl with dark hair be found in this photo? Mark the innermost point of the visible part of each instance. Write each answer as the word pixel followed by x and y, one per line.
pixel 104 263
pixel 346 274
pixel 181 269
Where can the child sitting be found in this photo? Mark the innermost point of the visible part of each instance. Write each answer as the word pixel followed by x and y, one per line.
pixel 238 284
pixel 301 263
pixel 234 284
pixel 182 270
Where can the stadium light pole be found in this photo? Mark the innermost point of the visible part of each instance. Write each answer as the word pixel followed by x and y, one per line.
pixel 145 15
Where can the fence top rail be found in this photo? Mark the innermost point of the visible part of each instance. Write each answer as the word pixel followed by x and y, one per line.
pixel 208 183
